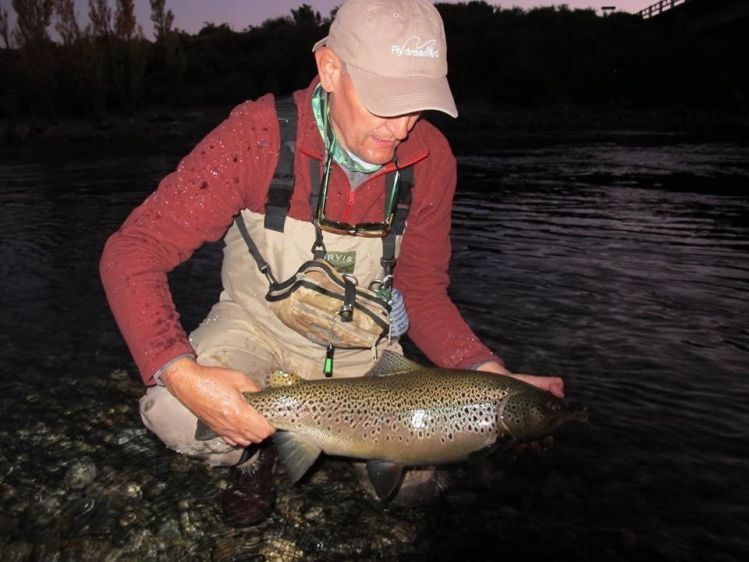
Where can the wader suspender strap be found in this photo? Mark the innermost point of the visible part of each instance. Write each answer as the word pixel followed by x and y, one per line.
pixel 399 222
pixel 282 184
pixel 255 251
pixel 282 187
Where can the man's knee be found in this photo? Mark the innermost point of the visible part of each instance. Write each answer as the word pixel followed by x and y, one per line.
pixel 226 339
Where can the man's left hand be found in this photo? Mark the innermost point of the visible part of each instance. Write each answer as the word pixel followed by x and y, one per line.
pixel 555 385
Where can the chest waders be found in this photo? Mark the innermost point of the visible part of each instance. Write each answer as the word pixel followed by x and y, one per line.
pixel 276 210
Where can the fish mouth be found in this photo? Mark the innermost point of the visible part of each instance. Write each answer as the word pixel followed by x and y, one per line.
pixel 577 412
pixel 572 416
pixel 571 413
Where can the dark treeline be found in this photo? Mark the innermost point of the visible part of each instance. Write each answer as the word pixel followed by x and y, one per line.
pixel 532 58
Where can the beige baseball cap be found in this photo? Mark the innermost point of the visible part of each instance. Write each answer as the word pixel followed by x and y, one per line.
pixel 395 53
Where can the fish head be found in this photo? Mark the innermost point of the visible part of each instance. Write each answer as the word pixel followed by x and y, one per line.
pixel 532 414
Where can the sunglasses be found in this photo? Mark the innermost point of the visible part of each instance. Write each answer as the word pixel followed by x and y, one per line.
pixel 365 229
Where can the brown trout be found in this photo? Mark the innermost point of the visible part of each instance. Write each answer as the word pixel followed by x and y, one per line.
pixel 402 414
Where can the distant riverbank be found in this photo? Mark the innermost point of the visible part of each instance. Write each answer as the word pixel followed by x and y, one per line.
pixel 478 122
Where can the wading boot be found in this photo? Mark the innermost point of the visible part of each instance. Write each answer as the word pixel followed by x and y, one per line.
pixel 251 495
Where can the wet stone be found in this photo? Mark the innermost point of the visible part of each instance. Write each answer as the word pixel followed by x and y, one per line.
pixel 7 493
pixel 156 489
pixel 169 530
pixel 5 467
pixel 8 523
pixel 119 375
pixel 244 547
pixel 277 549
pixel 313 513
pixel 180 464
pixel 16 552
pixel 127 519
pixel 80 474
pixel 133 491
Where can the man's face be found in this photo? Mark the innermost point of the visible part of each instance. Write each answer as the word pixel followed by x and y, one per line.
pixel 370 137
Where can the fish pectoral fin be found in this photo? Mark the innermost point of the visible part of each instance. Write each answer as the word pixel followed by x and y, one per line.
pixel 297 453
pixel 203 432
pixel 385 477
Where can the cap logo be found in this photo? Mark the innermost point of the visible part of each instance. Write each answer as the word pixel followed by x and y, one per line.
pixel 412 47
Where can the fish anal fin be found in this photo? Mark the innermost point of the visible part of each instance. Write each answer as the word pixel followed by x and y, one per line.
pixel 385 477
pixel 297 453
pixel 391 363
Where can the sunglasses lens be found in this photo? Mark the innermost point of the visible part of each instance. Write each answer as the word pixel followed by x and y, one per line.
pixel 368 230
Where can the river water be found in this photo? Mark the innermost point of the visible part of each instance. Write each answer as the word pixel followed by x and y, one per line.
pixel 619 261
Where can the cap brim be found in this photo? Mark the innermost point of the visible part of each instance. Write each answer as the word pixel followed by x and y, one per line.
pixel 389 96
pixel 321 43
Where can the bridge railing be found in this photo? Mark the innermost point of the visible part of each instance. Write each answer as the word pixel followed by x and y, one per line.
pixel 659 7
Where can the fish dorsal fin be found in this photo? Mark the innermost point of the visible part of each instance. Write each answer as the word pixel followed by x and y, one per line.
pixel 297 453
pixel 282 378
pixel 391 363
pixel 385 477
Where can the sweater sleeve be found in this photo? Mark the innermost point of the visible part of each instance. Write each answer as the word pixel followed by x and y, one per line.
pixel 192 205
pixel 421 273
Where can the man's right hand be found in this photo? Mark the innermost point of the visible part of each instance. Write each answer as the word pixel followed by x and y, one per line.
pixel 214 394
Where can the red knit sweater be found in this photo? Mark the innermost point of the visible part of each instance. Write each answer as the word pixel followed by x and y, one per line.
pixel 231 169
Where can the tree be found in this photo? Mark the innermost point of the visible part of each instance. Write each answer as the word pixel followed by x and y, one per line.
pixel 304 14
pixel 66 25
pixel 171 56
pixel 129 57
pixel 162 20
pixel 32 20
pixel 100 15
pixel 124 20
pixel 4 30
pixel 33 17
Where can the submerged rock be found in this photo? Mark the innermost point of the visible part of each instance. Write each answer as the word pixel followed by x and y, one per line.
pixel 80 474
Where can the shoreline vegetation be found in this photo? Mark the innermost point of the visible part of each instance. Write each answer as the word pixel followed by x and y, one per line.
pixel 543 71
pixel 478 123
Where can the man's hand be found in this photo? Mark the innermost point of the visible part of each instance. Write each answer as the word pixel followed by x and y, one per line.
pixel 214 394
pixel 555 385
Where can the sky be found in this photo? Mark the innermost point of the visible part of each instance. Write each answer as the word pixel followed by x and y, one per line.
pixel 191 15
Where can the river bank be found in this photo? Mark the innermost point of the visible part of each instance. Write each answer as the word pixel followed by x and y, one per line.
pixel 478 124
